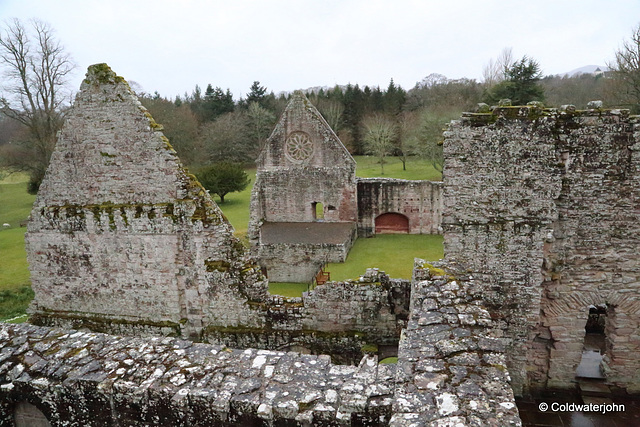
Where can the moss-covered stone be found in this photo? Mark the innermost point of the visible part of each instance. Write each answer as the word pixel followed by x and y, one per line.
pixel 102 74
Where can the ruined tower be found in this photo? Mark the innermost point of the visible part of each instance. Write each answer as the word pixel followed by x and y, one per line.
pixel 122 238
pixel 541 205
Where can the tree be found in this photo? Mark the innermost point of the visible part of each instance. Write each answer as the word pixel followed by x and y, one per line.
pixel 407 142
pixel 521 84
pixel 495 71
pixel 394 99
pixel 223 178
pixel 432 123
pixel 216 102
pixel 577 90
pixel 332 112
pixel 353 102
pixel 379 137
pixel 437 91
pixel 257 93
pixel 626 71
pixel 180 126
pixel 261 122
pixel 227 139
pixel 35 71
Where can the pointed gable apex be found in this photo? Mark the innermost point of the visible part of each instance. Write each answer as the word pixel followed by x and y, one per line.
pixel 303 138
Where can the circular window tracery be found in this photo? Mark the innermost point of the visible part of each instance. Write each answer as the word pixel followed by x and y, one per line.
pixel 298 147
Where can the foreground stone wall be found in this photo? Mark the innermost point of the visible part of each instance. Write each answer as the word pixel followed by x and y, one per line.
pixel 344 319
pixel 419 201
pixel 88 379
pixel 451 371
pixel 451 362
pixel 120 235
pixel 541 206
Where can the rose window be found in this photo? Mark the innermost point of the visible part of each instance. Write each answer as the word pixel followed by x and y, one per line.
pixel 298 147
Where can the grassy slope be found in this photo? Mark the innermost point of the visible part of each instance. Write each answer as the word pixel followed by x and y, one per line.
pixel 15 205
pixel 369 167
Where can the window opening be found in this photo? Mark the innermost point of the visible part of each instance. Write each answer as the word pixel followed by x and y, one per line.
pixel 318 211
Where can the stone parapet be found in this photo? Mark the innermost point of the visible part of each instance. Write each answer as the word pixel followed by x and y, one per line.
pixel 89 379
pixel 452 367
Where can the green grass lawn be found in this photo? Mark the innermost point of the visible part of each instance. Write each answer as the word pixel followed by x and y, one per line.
pixel 417 168
pixel 288 289
pixel 15 286
pixel 236 206
pixel 391 253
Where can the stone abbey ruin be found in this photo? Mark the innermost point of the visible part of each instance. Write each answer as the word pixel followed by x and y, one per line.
pixel 308 207
pixel 148 311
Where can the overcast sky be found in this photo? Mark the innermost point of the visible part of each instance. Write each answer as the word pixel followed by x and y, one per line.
pixel 169 46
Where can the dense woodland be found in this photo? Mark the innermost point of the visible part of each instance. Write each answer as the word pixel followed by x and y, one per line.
pixel 211 127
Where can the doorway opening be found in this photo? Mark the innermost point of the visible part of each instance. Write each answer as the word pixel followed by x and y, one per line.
pixel 594 344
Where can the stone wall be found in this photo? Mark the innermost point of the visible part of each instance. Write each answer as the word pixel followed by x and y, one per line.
pixel 541 206
pixel 120 235
pixel 300 262
pixel 337 318
pixel 304 175
pixel 451 362
pixel 88 379
pixel 123 240
pixel 419 201
pixel 451 371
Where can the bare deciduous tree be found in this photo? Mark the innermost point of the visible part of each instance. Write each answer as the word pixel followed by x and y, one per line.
pixel 626 70
pixel 261 123
pixel 227 139
pixel 407 141
pixel 380 134
pixel 430 133
pixel 332 112
pixel 35 70
pixel 496 70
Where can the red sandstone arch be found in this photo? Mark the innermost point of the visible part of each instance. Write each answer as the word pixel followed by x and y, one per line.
pixel 392 222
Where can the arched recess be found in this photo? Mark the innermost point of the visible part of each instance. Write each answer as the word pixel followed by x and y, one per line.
pixel 392 222
pixel 622 312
